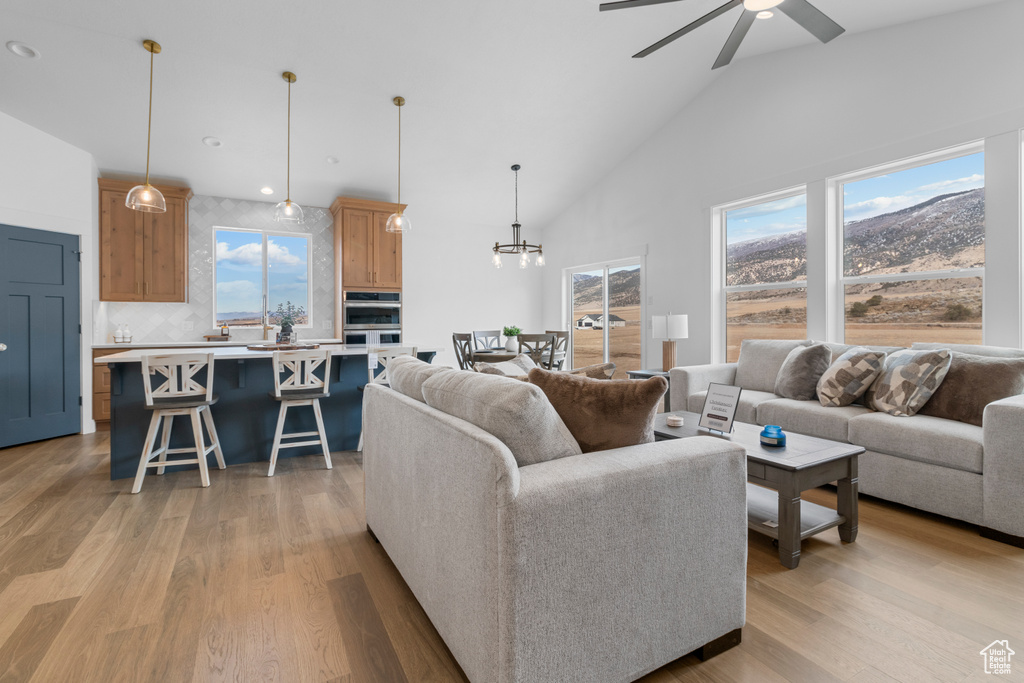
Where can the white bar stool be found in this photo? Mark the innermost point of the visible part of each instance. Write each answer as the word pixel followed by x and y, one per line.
pixel 300 387
pixel 384 356
pixel 179 394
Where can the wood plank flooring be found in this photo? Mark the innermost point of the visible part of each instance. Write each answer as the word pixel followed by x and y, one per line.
pixel 276 579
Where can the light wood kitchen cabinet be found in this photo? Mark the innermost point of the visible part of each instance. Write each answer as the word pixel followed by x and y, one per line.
pixel 143 256
pixel 367 256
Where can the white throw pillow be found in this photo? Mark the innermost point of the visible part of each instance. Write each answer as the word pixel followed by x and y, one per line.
pixel 517 413
pixel 406 375
pixel 519 366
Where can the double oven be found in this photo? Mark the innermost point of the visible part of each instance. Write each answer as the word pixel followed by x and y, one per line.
pixel 367 314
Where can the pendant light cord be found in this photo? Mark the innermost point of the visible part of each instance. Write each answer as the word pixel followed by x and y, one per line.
pixel 517 196
pixel 288 188
pixel 399 161
pixel 149 124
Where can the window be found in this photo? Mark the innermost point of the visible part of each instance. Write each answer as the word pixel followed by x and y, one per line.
pixel 606 320
pixel 765 270
pixel 913 258
pixel 253 267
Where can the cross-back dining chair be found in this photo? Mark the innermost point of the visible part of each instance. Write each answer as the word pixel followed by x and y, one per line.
pixel 540 348
pixel 561 343
pixel 463 342
pixel 487 339
pixel 301 378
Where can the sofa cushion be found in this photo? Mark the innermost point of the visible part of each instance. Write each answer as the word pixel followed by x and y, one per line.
pixel 406 375
pixel 908 380
pixel 974 349
pixel 519 366
pixel 518 413
pixel 603 414
pixel 849 377
pixel 800 372
pixel 810 417
pixel 760 360
pixel 746 411
pixel 923 438
pixel 972 383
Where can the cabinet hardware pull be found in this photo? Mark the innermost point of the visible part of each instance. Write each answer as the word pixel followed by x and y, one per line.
pixel 138 288
pixel 146 288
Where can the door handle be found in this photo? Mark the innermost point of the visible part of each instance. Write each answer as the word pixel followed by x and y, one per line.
pixel 3 347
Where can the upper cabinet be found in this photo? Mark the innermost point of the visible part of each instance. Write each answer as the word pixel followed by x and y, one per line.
pixel 368 256
pixel 143 256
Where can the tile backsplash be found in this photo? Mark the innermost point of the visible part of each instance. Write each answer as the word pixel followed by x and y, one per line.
pixel 166 322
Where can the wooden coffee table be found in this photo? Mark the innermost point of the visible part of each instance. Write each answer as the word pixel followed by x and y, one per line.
pixel 804 463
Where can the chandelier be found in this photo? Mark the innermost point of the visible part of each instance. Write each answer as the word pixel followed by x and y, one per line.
pixel 516 246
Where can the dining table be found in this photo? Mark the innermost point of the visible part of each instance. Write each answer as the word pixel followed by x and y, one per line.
pixel 493 355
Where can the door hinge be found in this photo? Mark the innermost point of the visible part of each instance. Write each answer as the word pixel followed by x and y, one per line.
pixel 79 400
pixel 78 253
pixel 79 328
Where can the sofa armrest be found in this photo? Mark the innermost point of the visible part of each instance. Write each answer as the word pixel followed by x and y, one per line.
pixel 1003 427
pixel 622 559
pixel 689 380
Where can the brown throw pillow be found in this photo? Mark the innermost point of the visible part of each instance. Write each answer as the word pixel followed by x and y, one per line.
pixel 908 380
pixel 972 383
pixel 603 414
pixel 798 377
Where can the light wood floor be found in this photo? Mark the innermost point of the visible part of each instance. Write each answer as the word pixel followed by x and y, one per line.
pixel 276 579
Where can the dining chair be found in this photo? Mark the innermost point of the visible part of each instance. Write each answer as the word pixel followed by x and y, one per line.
pixel 178 390
pixel 486 339
pixel 538 346
pixel 561 343
pixel 463 342
pixel 301 378
pixel 384 356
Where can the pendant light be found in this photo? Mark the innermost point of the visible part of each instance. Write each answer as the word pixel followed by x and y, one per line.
pixel 145 197
pixel 396 221
pixel 516 247
pixel 288 210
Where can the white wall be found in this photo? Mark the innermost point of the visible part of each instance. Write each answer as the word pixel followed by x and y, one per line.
pixel 797 117
pixel 49 185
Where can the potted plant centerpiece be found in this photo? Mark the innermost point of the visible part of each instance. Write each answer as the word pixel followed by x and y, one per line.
pixel 286 315
pixel 511 338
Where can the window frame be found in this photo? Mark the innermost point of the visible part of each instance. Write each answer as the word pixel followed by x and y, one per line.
pixel 838 280
pixel 266 235
pixel 605 267
pixel 720 267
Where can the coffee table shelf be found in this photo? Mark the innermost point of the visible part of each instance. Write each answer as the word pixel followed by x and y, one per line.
pixel 763 506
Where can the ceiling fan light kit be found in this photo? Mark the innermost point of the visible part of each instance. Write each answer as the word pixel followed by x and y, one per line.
pixel 816 22
pixel 516 246
pixel 145 197
pixel 288 211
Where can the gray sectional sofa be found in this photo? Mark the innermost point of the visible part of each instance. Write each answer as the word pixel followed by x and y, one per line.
pixel 970 473
pixel 591 567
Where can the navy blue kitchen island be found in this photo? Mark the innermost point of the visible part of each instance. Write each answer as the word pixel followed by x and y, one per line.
pixel 245 413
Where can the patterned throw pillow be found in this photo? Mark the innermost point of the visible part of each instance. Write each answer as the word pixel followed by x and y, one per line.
pixel 908 380
pixel 849 377
pixel 519 367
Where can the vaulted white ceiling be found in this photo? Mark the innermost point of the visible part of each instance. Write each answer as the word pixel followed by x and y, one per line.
pixel 547 84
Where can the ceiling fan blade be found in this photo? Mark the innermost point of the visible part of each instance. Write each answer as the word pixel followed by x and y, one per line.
pixel 735 38
pixel 626 4
pixel 689 27
pixel 812 19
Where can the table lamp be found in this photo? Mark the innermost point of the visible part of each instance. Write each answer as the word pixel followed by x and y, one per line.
pixel 669 327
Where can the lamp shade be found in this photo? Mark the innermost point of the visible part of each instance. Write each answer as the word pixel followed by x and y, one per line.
pixel 670 327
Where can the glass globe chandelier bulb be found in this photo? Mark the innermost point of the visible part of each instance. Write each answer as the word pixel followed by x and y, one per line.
pixel 759 5
pixel 540 260
pixel 496 260
pixel 524 260
pixel 288 211
pixel 398 222
pixel 145 198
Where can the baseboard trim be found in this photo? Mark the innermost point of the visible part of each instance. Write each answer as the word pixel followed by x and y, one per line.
pixel 372 535
pixel 1008 539
pixel 719 645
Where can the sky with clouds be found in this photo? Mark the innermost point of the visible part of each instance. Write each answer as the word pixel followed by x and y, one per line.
pixel 862 199
pixel 240 271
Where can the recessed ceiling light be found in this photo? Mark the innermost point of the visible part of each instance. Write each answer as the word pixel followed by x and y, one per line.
pixel 23 50
pixel 211 141
pixel 332 160
pixel 765 14
pixel 267 190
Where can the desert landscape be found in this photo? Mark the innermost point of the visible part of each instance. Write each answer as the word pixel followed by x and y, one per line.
pixel 624 302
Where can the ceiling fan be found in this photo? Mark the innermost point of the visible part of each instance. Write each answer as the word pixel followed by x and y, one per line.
pixel 800 11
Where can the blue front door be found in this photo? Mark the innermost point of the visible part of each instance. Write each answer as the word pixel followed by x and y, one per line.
pixel 40 335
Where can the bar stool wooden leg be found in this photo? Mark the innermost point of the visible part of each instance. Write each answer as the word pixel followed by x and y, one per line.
pixel 147 450
pixel 197 430
pixel 166 441
pixel 277 437
pixel 323 433
pixel 208 418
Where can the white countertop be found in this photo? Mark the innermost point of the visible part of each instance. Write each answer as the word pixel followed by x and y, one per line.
pixel 202 344
pixel 240 352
